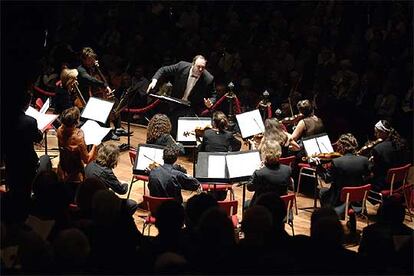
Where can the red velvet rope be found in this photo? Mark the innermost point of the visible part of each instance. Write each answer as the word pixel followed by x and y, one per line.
pixel 269 111
pixel 237 108
pixel 144 109
pixel 44 92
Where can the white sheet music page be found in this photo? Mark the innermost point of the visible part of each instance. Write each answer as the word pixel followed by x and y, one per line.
pixel 93 132
pixel 325 144
pixel 147 155
pixel 186 127
pixel 43 120
pixel 250 123
pixel 311 147
pixel 216 166
pixel 97 109
pixel 244 164
pixel 45 106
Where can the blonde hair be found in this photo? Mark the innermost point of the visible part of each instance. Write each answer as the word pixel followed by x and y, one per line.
pixel 271 152
pixel 68 77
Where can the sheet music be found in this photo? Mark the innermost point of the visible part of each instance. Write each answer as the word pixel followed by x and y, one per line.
pixel 147 155
pixel 325 144
pixel 187 125
pixel 97 109
pixel 243 164
pixel 45 106
pixel 250 123
pixel 93 132
pixel 43 120
pixel 311 147
pixel 217 166
pixel 316 145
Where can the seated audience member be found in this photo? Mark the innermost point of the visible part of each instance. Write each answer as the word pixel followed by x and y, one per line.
pixel 102 168
pixel 168 179
pixel 388 244
pixel 159 133
pixel 85 195
pixel 391 152
pixel 273 177
pixel 73 153
pixel 347 170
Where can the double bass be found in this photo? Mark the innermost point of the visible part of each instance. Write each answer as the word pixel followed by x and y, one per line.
pixel 101 92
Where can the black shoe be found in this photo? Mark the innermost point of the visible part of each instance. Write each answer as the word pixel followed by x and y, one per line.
pixel 115 137
pixel 122 132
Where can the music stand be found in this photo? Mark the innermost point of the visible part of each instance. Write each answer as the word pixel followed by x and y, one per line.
pixel 97 109
pixel 317 144
pixel 170 99
pixel 146 155
pixel 250 123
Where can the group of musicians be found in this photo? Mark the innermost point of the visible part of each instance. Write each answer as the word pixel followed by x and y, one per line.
pixel 194 84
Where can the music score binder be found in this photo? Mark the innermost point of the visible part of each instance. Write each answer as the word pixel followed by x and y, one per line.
pixel 43 120
pixel 250 123
pixel 225 167
pixel 317 144
pixel 186 128
pixel 97 109
pixel 146 155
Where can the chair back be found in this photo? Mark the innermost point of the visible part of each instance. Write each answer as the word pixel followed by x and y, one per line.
pixel 39 103
pixel 289 200
pixel 287 160
pixel 132 156
pixel 355 194
pixel 230 206
pixel 153 202
pixel 397 175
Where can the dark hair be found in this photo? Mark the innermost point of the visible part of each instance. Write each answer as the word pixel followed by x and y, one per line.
pixel 305 107
pixel 391 211
pixel 70 116
pixel 276 207
pixel 170 155
pixel 220 120
pixel 196 206
pixel 108 156
pixel 394 136
pixel 88 52
pixel 159 124
pixel 347 143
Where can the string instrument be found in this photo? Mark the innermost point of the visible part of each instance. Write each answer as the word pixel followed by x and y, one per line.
pixel 324 157
pixel 198 131
pixel 101 92
pixel 255 141
pixel 152 166
pixel 365 150
pixel 79 99
pixel 293 120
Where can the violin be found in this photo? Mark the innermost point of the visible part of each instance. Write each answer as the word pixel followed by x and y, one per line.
pixel 368 146
pixel 323 156
pixel 198 131
pixel 292 120
pixel 152 166
pixel 255 141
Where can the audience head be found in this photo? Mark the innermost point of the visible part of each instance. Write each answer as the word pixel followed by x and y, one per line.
pixel 108 155
pixel 169 217
pixel 198 65
pixel 305 107
pixel 271 152
pixel 71 248
pixel 326 229
pixel 276 206
pixel 347 143
pixel 196 206
pixel 220 120
pixel 391 211
pixel 170 263
pixel 85 193
pixel 34 253
pixel 170 155
pixel 257 223
pixel 70 117
pixel 106 207
pixel 158 125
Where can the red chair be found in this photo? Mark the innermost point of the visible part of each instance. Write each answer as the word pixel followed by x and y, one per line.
pixel 394 175
pixel 408 192
pixel 307 170
pixel 230 206
pixel 152 204
pixel 355 194
pixel 39 103
pixel 136 177
pixel 290 200
pixel 207 187
pixel 288 161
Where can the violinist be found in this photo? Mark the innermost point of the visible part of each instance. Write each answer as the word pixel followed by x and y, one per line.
pixel 92 84
pixel 159 133
pixel 392 152
pixel 310 124
pixel 168 179
pixel 348 170
pixel 65 94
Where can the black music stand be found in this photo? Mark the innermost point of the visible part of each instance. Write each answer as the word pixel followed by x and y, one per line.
pixel 122 106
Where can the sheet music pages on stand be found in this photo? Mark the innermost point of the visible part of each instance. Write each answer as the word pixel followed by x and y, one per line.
pixel 216 166
pixel 43 120
pixel 97 109
pixel 94 133
pixel 317 144
pixel 186 128
pixel 250 123
pixel 146 155
pixel 243 165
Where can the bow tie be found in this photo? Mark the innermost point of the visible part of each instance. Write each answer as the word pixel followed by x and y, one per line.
pixel 194 76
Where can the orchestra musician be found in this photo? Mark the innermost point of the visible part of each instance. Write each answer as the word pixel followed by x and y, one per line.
pixel 159 133
pixel 92 83
pixel 392 152
pixel 168 179
pixel 310 124
pixel 66 96
pixel 192 82
pixel 348 170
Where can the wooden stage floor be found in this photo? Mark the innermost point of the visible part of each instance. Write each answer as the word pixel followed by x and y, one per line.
pixel 124 172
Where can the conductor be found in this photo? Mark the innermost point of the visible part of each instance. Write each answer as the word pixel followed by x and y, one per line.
pixel 191 83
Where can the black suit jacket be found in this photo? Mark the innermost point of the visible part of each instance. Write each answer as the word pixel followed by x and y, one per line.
pixel 107 176
pixel 214 141
pixel 269 179
pixel 347 170
pixel 204 87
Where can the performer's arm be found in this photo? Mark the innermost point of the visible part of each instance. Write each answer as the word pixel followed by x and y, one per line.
pixel 88 79
pixel 163 71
